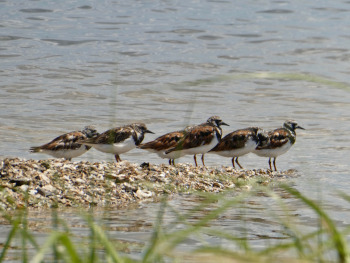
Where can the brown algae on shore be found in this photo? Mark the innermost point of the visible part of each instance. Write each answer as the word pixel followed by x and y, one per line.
pixel 60 183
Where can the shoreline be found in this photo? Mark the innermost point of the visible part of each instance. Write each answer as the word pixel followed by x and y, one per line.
pixel 57 183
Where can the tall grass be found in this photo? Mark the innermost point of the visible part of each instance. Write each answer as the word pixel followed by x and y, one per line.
pixel 325 243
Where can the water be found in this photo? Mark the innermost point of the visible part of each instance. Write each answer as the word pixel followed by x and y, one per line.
pixel 68 64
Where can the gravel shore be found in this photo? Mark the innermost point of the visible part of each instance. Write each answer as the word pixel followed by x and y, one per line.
pixel 59 183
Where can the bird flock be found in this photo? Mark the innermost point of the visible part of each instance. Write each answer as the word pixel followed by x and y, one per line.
pixel 192 140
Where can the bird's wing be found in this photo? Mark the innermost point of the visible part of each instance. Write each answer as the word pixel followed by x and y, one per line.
pixel 164 142
pixel 115 135
pixel 233 140
pixel 65 141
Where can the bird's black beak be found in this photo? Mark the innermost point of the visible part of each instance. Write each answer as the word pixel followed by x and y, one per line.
pixel 299 127
pixel 148 131
pixel 223 123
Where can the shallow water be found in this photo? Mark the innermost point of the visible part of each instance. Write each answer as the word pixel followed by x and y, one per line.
pixel 69 64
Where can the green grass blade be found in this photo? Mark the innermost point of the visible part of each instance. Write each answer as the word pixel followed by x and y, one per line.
pixel 92 256
pixel 289 244
pixel 171 240
pixel 48 244
pixel 337 238
pixel 218 254
pixel 151 254
pixel 57 238
pixel 12 234
pixel 106 243
pixel 69 248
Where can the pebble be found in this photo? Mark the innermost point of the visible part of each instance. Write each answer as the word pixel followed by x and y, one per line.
pixel 62 183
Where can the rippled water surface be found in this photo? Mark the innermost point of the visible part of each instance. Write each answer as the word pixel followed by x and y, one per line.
pixel 67 64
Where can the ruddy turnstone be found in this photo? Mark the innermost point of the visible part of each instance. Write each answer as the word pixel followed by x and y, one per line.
pixel 66 145
pixel 200 139
pixel 119 140
pixel 237 143
pixel 163 143
pixel 277 142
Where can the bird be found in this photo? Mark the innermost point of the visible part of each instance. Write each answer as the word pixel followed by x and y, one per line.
pixel 237 143
pixel 163 143
pixel 119 140
pixel 199 139
pixel 277 142
pixel 67 145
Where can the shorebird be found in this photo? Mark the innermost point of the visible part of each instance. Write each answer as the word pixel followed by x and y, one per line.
pixel 119 140
pixel 161 144
pixel 66 145
pixel 200 139
pixel 277 142
pixel 237 143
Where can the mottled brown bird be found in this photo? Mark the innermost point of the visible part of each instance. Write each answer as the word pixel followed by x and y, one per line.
pixel 67 145
pixel 237 143
pixel 200 139
pixel 277 142
pixel 119 140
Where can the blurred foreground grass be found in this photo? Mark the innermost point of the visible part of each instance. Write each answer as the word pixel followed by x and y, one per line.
pixel 325 243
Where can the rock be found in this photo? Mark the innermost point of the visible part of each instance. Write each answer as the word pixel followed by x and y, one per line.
pixel 32 192
pixel 49 188
pixel 42 192
pixel 24 187
pixel 19 182
pixel 141 194
pixel 60 183
pixel 128 187
pixel 44 178
pixel 80 181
